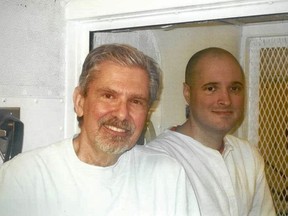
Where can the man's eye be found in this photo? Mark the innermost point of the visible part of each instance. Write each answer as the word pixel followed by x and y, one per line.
pixel 236 88
pixel 108 96
pixel 210 88
pixel 137 101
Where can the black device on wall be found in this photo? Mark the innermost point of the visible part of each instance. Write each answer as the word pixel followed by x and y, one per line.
pixel 11 136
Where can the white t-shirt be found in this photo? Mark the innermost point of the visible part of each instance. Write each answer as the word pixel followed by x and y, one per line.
pixel 52 181
pixel 233 183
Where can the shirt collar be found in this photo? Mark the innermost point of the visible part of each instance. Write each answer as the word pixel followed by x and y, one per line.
pixel 227 148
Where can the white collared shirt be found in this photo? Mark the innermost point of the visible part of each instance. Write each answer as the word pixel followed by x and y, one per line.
pixel 229 184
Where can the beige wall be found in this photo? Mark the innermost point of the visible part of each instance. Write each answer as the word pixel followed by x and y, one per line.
pixel 176 47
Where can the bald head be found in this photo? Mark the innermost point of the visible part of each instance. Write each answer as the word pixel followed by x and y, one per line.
pixel 204 57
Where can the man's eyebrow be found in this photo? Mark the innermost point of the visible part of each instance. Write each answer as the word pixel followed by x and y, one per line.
pixel 210 83
pixel 218 83
pixel 140 96
pixel 108 90
pixel 238 83
pixel 134 95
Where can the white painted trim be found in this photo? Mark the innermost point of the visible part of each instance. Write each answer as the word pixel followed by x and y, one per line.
pixel 187 12
pixel 77 47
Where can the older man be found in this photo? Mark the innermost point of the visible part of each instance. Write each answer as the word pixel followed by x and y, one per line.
pixel 100 171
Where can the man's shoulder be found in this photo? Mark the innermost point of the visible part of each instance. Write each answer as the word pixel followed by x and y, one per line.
pixel 243 146
pixel 145 151
pixel 165 138
pixel 170 142
pixel 153 156
pixel 238 142
pixel 33 157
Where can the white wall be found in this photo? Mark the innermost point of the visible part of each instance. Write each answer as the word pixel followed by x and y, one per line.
pixel 32 67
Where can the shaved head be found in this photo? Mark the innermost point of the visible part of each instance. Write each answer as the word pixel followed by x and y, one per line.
pixel 192 67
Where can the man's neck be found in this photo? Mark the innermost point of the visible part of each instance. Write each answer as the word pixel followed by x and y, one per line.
pixel 211 140
pixel 87 154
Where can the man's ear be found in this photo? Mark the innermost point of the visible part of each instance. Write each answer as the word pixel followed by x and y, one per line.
pixel 186 92
pixel 78 100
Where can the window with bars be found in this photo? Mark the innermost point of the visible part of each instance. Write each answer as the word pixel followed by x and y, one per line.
pixel 268 112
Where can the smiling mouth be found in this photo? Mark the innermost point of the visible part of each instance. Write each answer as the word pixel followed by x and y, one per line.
pixel 116 129
pixel 223 112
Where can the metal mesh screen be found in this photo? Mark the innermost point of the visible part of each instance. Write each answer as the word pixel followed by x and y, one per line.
pixel 269 77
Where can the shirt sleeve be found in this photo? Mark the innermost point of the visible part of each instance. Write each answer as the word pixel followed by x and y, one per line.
pixel 10 193
pixel 262 201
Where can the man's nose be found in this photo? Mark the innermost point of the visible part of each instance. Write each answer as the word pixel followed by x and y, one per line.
pixel 121 110
pixel 224 98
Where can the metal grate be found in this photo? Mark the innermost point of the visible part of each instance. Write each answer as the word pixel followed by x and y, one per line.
pixel 268 76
